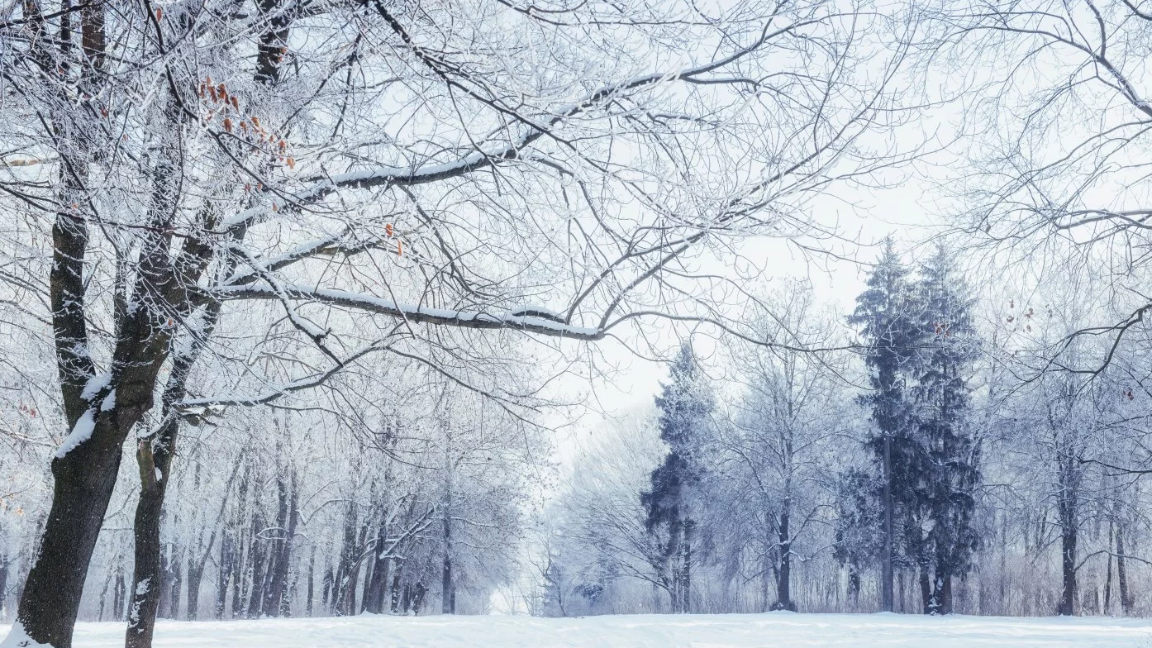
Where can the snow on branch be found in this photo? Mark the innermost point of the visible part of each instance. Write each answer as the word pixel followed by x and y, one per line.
pixel 527 320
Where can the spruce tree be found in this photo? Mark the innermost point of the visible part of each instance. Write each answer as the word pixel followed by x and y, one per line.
pixel 942 402
pixel 685 405
pixel 891 334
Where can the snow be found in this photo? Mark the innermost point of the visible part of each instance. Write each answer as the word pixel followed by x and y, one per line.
pixel 17 638
pixel 512 318
pixel 80 433
pixel 775 630
pixel 95 384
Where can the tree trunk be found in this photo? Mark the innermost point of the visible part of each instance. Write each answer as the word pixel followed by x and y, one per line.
pixel 1068 571
pixel 281 550
pixel 345 582
pixel 257 554
pixel 224 575
pixel 119 593
pixel 176 567
pixel 784 575
pixel 886 558
pixel 84 479
pixel 945 595
pixel 375 592
pixel 1122 573
pixel 329 590
pixel 853 593
pixel 927 606
pixel 145 594
pixel 396 593
pixel 4 587
pixel 195 576
pixel 448 594
pixel 311 581
pixel 154 459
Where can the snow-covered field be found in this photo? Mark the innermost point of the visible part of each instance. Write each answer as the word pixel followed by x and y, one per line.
pixel 776 630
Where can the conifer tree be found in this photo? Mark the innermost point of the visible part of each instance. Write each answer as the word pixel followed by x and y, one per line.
pixel 685 404
pixel 942 402
pixel 891 332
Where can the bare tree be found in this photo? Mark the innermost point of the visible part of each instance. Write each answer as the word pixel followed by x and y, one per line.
pixel 775 448
pixel 415 171
pixel 1056 103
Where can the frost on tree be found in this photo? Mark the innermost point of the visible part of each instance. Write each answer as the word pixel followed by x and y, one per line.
pixel 673 505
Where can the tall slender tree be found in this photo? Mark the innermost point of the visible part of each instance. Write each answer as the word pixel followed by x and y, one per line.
pixel 890 329
pixel 948 349
pixel 685 405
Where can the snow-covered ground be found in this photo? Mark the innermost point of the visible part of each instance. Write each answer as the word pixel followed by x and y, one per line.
pixel 776 630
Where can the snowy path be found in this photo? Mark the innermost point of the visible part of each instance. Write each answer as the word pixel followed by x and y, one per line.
pixel 641 631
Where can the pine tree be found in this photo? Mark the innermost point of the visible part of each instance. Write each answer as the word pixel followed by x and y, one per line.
pixel 891 331
pixel 942 403
pixel 685 405
pixel 858 526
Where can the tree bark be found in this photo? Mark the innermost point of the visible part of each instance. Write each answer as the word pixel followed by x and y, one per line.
pixel 886 558
pixel 344 584
pixel 154 459
pixel 4 562
pixel 119 594
pixel 784 575
pixel 84 479
pixel 176 576
pixel 1122 573
pixel 376 591
pixel 1068 571
pixel 281 552
pixel 448 590
pixel 927 605
pixel 686 579
pixel 311 581
pixel 853 593
pixel 224 575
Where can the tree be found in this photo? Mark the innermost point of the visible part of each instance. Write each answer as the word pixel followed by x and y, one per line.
pixel 672 504
pixel 941 397
pixel 890 326
pixel 237 191
pixel 859 538
pixel 601 541
pixel 774 450
pixel 1050 169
